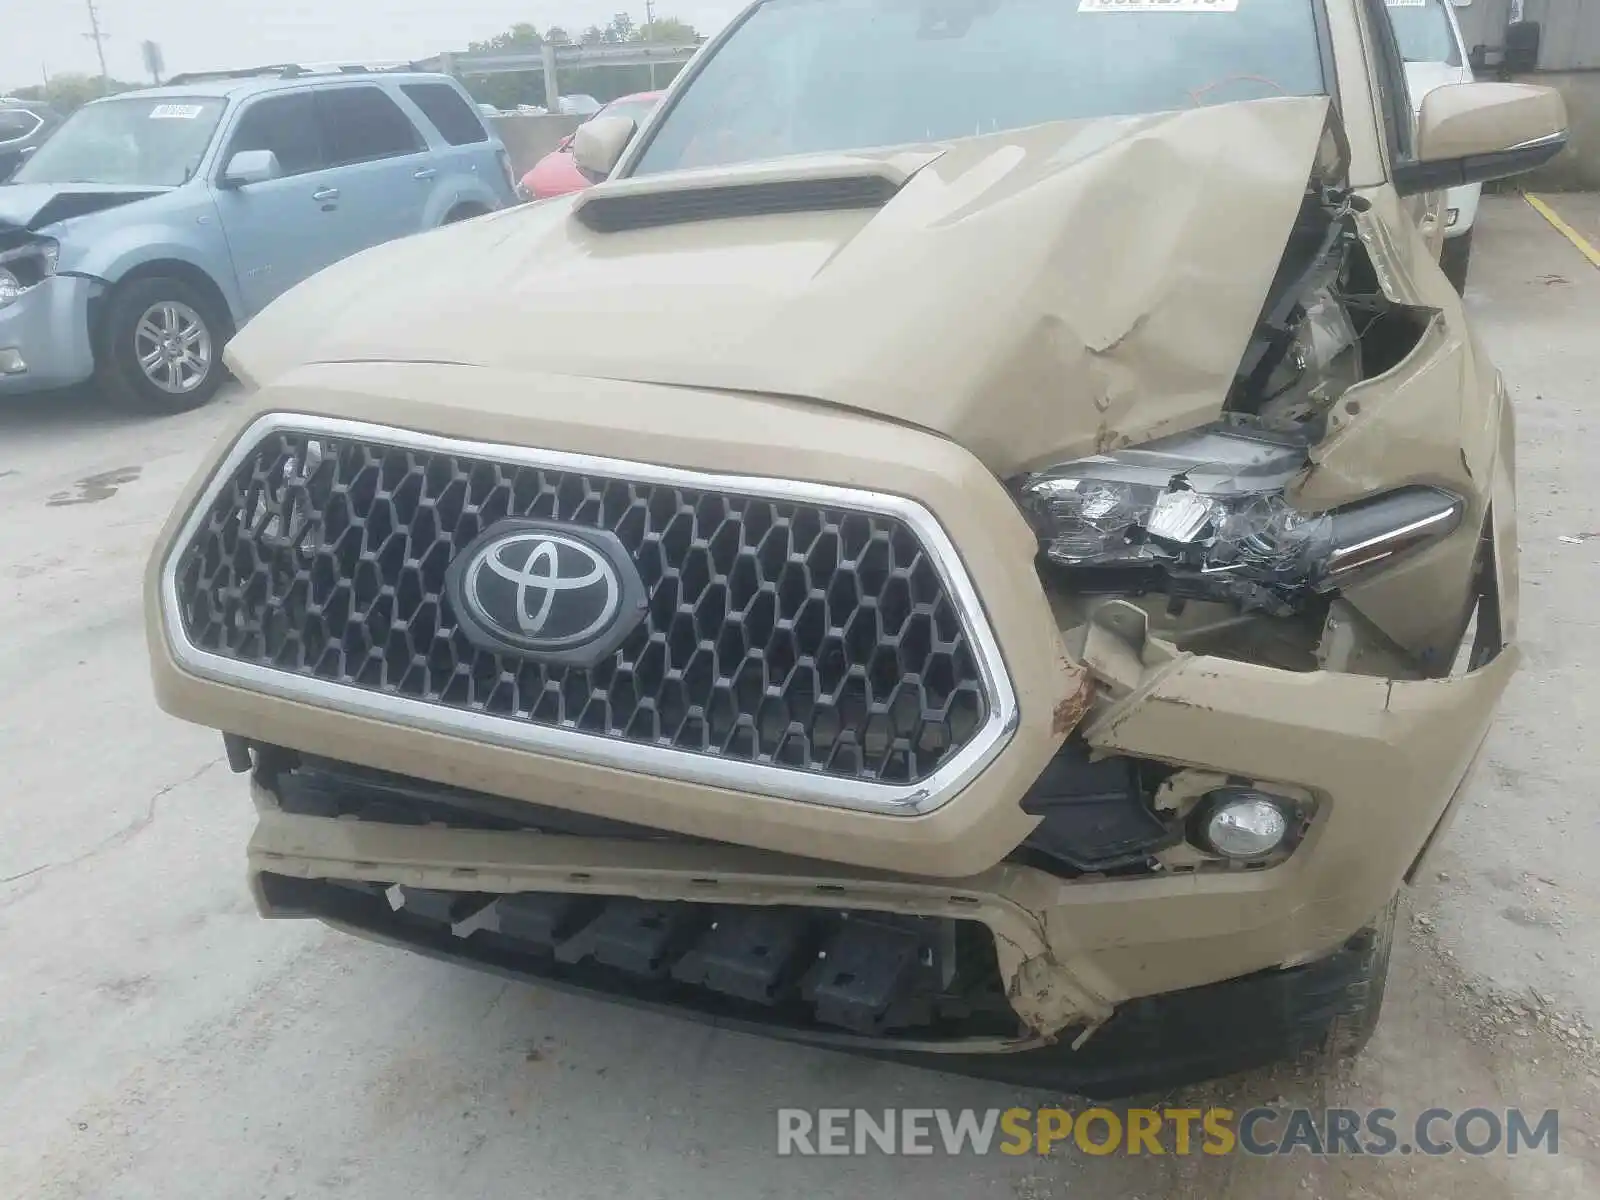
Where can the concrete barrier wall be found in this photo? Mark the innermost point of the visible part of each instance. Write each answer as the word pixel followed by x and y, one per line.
pixel 530 138
pixel 1578 167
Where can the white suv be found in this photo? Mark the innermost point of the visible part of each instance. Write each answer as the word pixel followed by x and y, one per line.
pixel 1436 55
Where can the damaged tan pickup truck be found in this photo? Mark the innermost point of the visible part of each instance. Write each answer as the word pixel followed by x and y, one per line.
pixel 988 540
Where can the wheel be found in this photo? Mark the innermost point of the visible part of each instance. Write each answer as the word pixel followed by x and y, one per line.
pixel 1361 999
pixel 464 212
pixel 1456 258
pixel 160 346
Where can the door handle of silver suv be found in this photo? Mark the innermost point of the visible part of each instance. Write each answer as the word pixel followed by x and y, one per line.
pixel 425 173
pixel 325 194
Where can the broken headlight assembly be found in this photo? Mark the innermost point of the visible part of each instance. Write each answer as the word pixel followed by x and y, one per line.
pixel 25 266
pixel 1203 515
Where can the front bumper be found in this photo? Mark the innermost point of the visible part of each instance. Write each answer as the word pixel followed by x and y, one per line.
pixel 48 326
pixel 1381 757
pixel 1386 759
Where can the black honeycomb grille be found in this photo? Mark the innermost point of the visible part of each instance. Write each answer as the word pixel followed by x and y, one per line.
pixel 779 633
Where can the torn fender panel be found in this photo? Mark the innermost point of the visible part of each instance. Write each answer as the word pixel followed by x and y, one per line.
pixel 1033 295
pixel 1440 417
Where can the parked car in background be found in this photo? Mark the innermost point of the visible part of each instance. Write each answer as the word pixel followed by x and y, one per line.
pixel 1435 56
pixel 578 104
pixel 24 125
pixel 557 175
pixel 152 225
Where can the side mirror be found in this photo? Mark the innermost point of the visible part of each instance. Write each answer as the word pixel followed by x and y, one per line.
pixel 1522 47
pixel 1473 132
pixel 251 166
pixel 598 144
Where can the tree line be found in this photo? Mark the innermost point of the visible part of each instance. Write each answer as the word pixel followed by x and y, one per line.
pixel 69 91
pixel 603 83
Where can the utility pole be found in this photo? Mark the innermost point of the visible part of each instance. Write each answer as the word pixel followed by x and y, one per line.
pixel 98 39
pixel 649 35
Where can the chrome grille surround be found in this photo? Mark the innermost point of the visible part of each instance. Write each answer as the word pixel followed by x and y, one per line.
pixel 981 677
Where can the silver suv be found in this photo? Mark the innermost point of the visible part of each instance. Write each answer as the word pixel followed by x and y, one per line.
pixel 154 224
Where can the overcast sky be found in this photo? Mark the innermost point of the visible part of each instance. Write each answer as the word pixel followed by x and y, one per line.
pixel 197 35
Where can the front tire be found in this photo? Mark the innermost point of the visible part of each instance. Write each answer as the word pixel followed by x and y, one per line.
pixel 1360 1000
pixel 1456 258
pixel 160 349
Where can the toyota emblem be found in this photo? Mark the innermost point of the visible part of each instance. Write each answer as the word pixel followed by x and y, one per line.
pixel 546 590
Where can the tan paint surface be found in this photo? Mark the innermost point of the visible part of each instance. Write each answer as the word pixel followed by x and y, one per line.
pixel 1025 297
pixel 1464 119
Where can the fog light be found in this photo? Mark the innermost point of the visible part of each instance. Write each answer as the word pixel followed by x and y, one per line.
pixel 1452 218
pixel 1243 824
pixel 12 362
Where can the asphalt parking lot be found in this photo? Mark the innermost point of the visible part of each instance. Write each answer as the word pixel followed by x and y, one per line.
pixel 158 1040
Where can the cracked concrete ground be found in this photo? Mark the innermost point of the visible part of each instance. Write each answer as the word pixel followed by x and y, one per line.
pixel 158 1040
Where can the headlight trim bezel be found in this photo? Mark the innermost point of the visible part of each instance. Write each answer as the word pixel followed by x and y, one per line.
pixel 1255 548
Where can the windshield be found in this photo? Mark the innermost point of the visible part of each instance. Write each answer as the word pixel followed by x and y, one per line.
pixel 1424 32
pixel 810 76
pixel 151 142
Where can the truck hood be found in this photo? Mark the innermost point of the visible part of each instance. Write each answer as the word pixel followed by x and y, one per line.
pixel 1038 293
pixel 36 205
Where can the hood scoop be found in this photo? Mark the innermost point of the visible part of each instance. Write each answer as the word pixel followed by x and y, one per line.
pixel 817 184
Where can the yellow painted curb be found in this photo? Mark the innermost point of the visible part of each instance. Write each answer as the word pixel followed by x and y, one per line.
pixel 1565 230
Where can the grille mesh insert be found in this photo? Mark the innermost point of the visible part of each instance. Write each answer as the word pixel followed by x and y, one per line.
pixel 778 632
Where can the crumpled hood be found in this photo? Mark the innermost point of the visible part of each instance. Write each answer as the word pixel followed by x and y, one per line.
pixel 1030 294
pixel 36 205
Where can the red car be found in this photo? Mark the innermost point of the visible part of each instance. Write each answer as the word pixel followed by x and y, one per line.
pixel 556 174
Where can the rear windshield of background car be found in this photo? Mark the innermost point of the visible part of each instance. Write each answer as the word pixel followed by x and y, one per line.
pixel 451 115
pixel 1423 30
pixel 810 76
